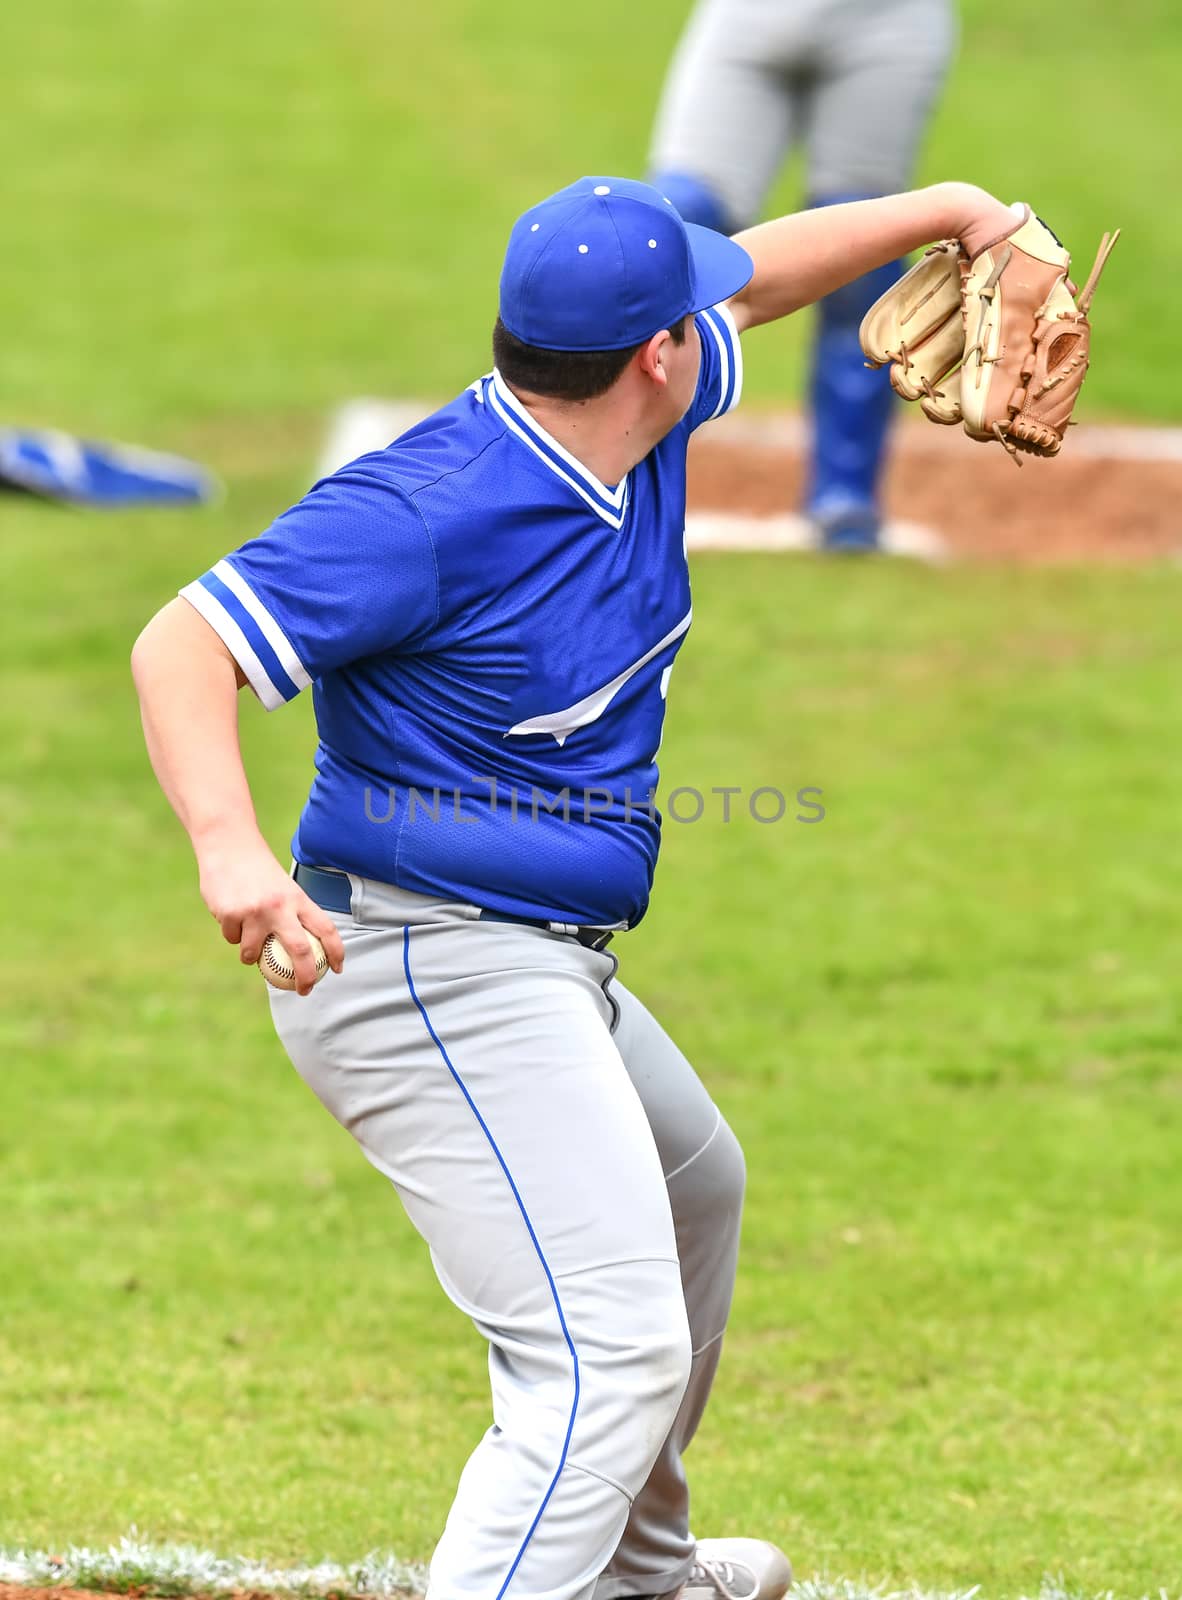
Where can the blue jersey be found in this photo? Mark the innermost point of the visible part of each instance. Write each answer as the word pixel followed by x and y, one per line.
pixel 488 631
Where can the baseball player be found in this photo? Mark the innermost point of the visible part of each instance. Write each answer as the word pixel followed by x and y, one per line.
pixel 489 611
pixel 854 82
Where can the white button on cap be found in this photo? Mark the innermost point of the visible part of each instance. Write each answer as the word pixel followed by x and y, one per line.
pixel 652 244
pixel 602 188
pixel 582 249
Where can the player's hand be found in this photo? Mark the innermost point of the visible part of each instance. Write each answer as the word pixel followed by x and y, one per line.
pixel 250 895
pixel 979 217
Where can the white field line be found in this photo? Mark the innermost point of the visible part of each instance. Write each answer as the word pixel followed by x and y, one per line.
pixel 369 424
pixel 183 1568
pixel 730 530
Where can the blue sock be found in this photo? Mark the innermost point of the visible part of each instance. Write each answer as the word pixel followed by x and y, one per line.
pixel 851 405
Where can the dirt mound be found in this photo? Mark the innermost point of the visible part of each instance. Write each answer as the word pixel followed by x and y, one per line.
pixel 1085 505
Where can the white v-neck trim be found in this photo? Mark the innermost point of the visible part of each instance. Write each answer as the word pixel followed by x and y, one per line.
pixel 610 504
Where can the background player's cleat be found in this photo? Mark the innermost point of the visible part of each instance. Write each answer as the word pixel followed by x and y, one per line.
pixel 854 532
pixel 738 1569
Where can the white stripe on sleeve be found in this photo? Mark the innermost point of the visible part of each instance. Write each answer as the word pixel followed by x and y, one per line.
pixel 724 365
pixel 235 641
pixel 268 627
pixel 723 313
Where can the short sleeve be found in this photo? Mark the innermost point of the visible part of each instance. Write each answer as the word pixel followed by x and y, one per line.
pixel 720 377
pixel 348 572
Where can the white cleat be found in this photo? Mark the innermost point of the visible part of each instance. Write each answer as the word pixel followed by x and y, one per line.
pixel 738 1569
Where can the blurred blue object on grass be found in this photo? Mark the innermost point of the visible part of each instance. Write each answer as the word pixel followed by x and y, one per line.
pixel 57 466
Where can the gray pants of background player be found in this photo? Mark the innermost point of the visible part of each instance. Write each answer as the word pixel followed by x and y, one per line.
pixel 580 1195
pixel 851 80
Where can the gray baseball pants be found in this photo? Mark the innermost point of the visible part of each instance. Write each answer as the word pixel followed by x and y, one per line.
pixel 852 80
pixel 580 1195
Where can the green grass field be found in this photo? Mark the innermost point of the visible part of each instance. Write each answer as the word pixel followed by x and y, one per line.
pixel 945 1022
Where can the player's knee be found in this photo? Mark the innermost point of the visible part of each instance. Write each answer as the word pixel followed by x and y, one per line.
pixel 643 1396
pixel 696 200
pixel 709 1191
pixel 648 1364
pixel 730 1168
pixel 670 1360
pixel 634 1365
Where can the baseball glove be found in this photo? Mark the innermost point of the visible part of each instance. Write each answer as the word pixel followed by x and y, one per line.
pixel 998 341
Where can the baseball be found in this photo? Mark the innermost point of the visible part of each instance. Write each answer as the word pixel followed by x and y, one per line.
pixel 276 965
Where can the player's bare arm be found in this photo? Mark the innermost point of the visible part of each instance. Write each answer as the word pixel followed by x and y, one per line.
pixel 803 257
pixel 188 685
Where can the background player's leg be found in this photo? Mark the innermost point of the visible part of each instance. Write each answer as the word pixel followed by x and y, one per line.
pixel 704 1172
pixel 724 120
pixel 851 412
pixel 475 1067
pixel 871 98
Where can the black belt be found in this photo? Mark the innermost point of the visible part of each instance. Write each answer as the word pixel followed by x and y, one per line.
pixel 591 938
pixel 334 892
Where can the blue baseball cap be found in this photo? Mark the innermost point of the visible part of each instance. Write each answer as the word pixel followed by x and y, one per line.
pixel 606 263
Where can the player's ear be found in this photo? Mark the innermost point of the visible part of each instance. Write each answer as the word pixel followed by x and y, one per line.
pixel 652 358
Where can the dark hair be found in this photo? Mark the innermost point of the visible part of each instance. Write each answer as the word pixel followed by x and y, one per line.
pixel 563 374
